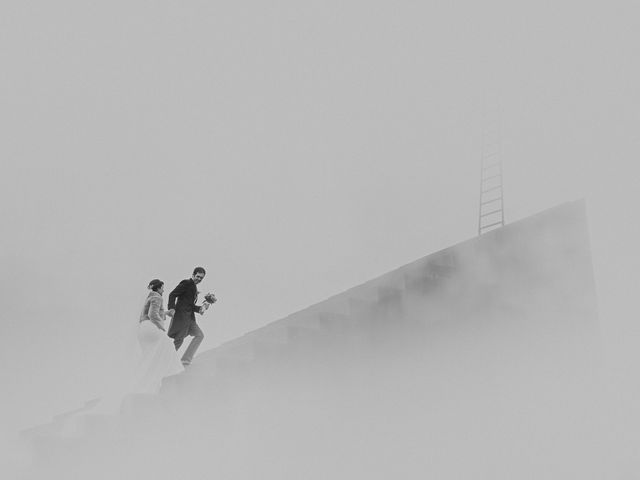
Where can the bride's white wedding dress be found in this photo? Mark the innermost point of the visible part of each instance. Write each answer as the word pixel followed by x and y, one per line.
pixel 152 358
pixel 158 359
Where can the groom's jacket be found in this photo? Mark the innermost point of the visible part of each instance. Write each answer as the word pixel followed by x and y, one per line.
pixel 183 300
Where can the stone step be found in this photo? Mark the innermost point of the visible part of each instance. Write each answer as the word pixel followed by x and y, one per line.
pixel 269 351
pixel 337 323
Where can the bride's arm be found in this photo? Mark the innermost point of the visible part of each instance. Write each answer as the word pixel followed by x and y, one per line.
pixel 154 311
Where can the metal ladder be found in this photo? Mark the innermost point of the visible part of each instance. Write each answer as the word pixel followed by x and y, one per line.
pixel 491 208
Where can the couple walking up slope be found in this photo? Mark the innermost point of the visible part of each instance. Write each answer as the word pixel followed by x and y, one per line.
pixel 159 358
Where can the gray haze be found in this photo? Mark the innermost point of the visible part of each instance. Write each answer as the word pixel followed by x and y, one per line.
pixel 294 150
pixel 476 362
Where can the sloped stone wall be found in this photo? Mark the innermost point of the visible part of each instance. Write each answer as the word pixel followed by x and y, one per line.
pixel 468 363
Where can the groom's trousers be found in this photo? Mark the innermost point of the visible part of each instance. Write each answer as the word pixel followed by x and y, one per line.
pixel 194 331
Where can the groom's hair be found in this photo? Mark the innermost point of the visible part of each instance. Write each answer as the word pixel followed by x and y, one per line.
pixel 199 270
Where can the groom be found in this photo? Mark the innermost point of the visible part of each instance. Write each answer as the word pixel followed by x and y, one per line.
pixel 182 307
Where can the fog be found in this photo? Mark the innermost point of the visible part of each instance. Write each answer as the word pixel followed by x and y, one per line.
pixel 294 151
pixel 488 370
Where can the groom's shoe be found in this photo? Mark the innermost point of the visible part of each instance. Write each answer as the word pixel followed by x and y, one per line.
pixel 186 363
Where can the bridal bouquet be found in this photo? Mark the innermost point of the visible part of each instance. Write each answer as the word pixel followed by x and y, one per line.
pixel 209 299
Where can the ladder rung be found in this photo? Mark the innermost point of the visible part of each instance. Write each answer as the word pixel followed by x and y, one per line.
pixel 491 213
pixel 492 165
pixel 491 189
pixel 491 225
pixel 491 176
pixel 486 202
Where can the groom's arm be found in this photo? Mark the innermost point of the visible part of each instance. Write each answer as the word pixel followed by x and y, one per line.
pixel 197 308
pixel 179 290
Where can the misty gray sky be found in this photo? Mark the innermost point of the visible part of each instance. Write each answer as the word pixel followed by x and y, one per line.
pixel 294 149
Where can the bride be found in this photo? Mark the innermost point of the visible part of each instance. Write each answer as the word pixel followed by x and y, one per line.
pixel 153 358
pixel 159 358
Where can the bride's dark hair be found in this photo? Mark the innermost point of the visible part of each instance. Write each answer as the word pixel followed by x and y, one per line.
pixel 155 284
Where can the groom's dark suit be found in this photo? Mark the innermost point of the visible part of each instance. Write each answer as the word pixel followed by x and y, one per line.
pixel 183 300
